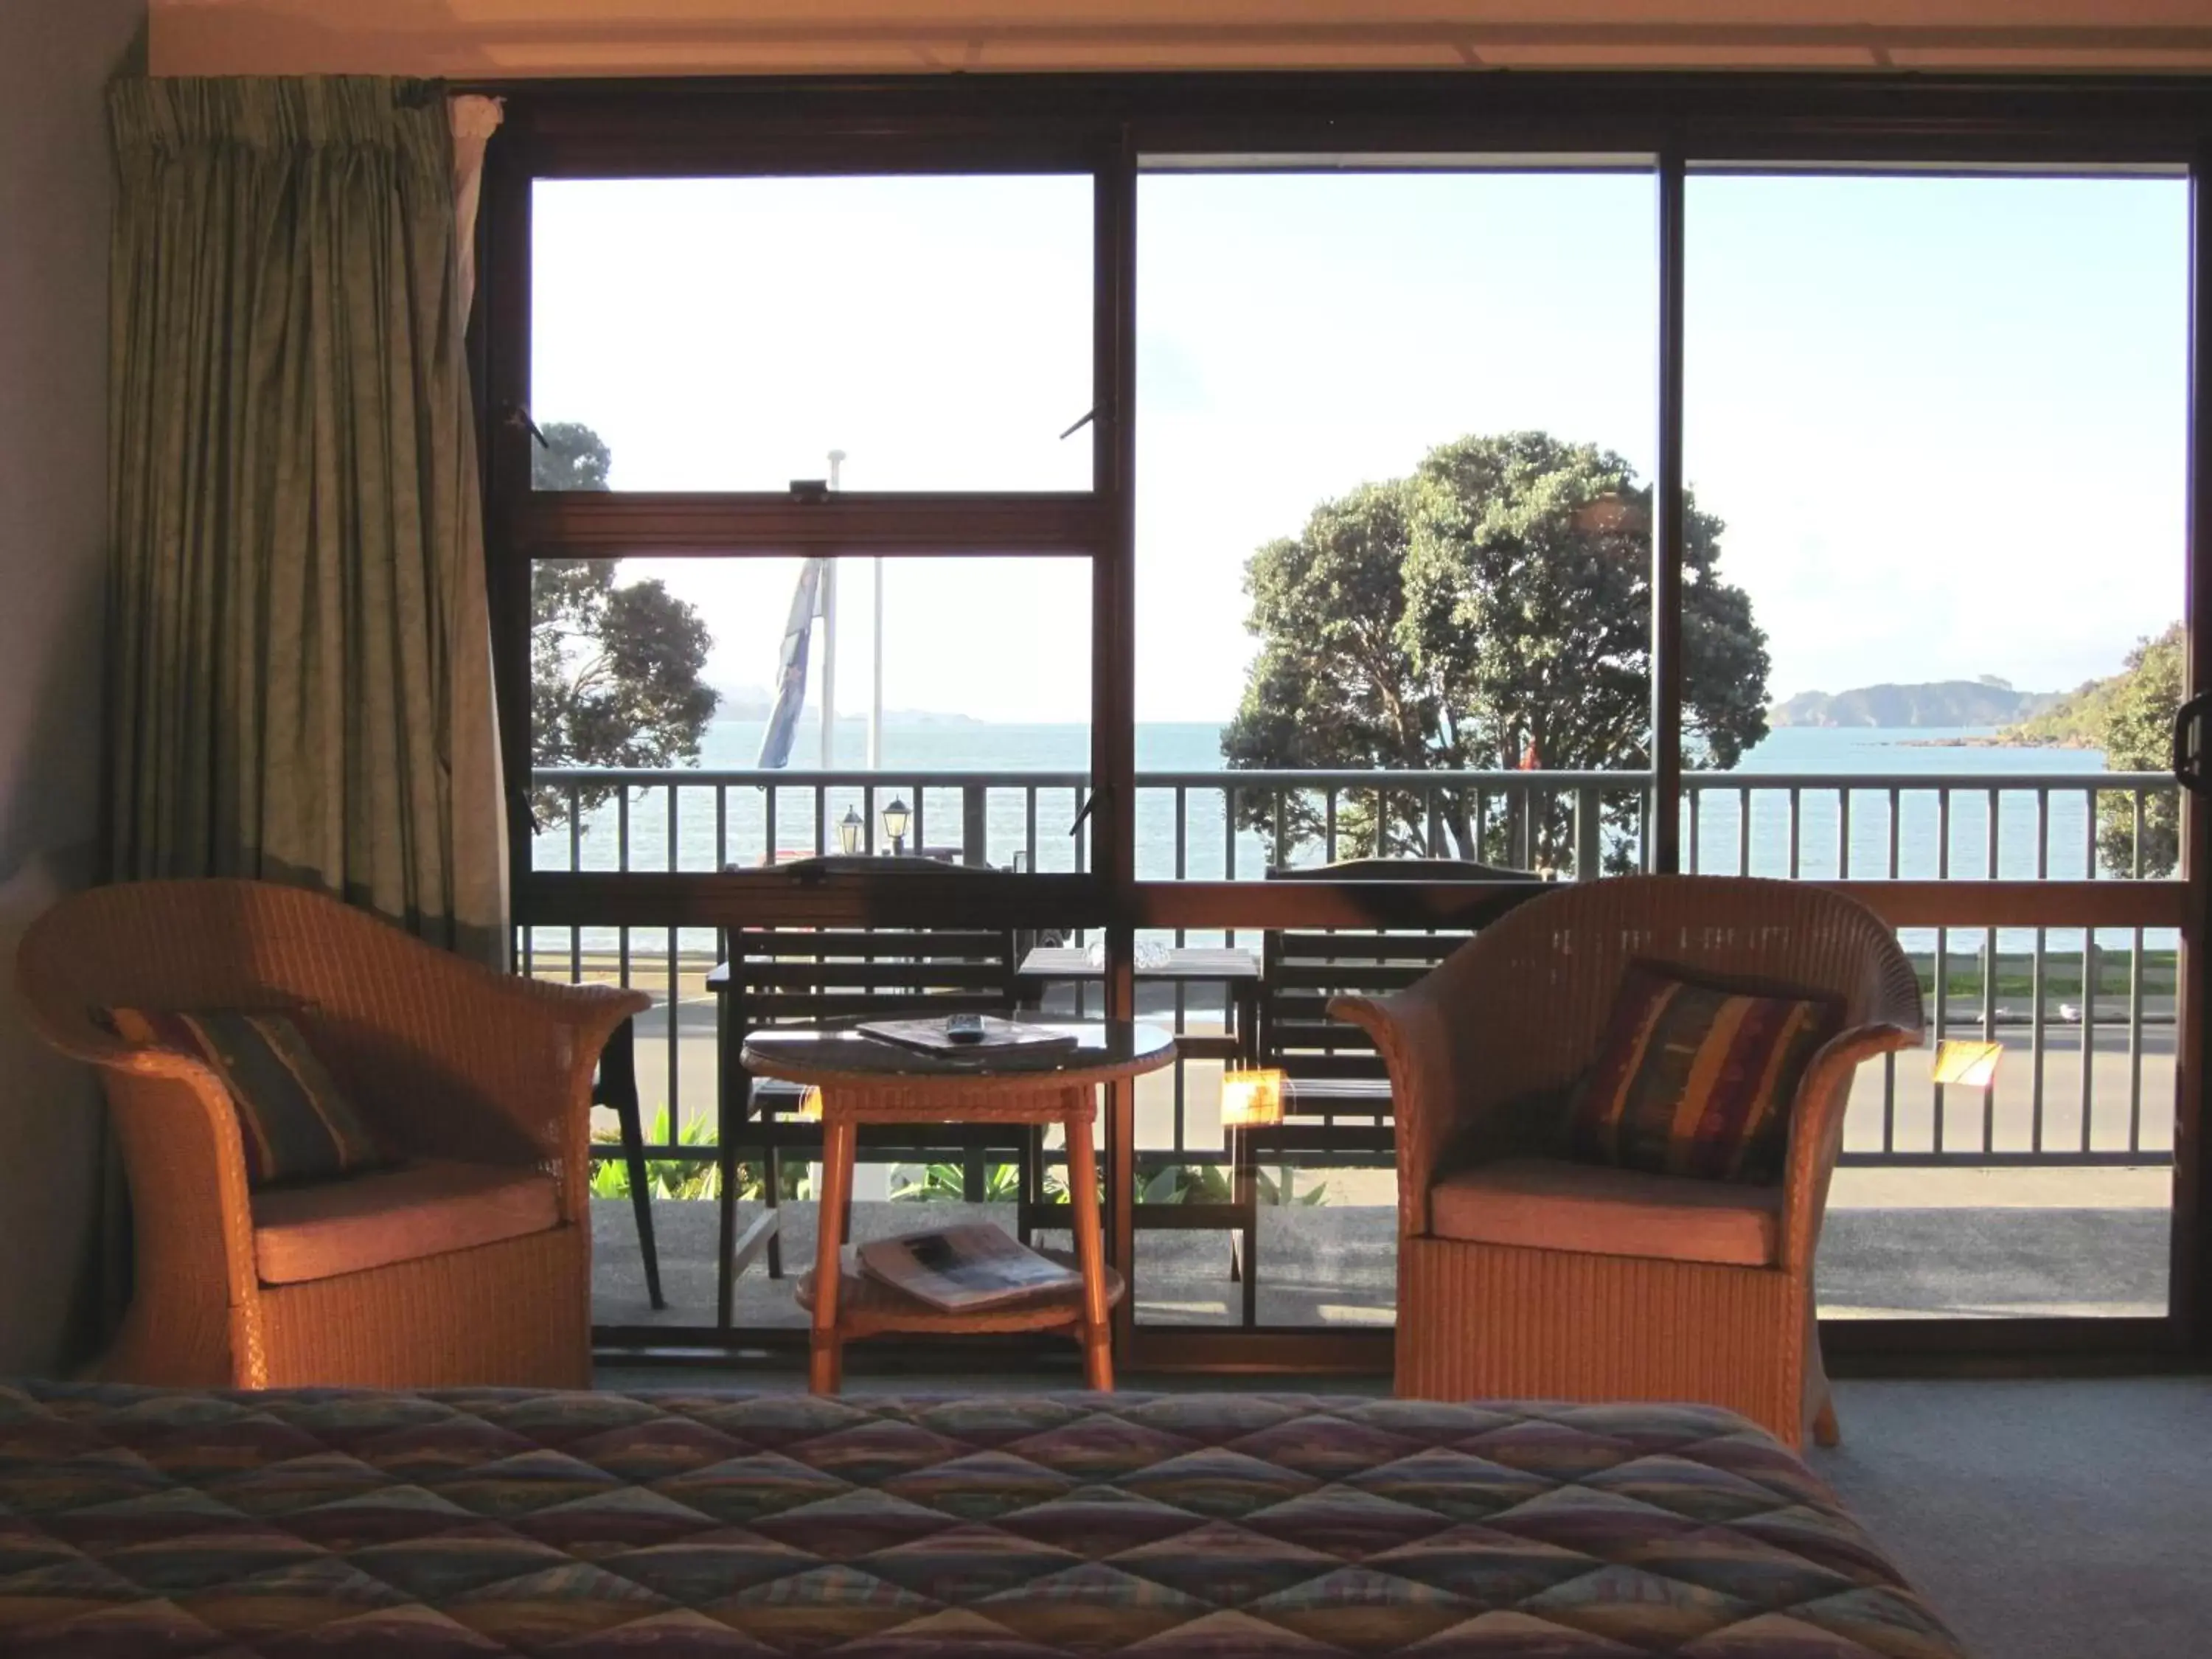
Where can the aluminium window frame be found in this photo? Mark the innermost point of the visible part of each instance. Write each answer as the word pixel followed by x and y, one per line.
pixel 1106 125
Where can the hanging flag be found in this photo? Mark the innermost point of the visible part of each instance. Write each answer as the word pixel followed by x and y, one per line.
pixel 791 667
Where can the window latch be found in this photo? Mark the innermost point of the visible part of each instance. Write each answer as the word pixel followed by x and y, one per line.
pixel 516 414
pixel 1081 421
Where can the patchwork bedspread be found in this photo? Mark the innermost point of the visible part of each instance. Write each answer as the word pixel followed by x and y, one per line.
pixel 601 1526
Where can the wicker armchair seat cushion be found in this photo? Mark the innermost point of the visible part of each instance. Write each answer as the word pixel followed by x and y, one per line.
pixel 1546 1204
pixel 430 1208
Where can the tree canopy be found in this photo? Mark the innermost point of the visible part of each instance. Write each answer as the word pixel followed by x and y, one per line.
pixel 615 672
pixel 2137 714
pixel 570 456
pixel 1492 610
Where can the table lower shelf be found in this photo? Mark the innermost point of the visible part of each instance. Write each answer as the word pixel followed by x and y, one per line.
pixel 865 1306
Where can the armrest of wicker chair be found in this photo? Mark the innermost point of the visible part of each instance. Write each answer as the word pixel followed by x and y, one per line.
pixel 1886 1017
pixel 455 1061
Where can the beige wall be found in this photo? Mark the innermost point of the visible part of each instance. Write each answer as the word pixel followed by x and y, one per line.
pixel 518 37
pixel 55 57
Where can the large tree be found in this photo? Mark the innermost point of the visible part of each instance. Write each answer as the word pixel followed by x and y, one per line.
pixel 2137 732
pixel 1492 611
pixel 614 671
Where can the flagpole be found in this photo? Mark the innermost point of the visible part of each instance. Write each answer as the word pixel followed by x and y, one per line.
pixel 830 640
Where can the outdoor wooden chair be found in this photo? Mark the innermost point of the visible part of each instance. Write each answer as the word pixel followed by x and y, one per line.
pixel 1522 1276
pixel 771 977
pixel 467 1263
pixel 1337 1108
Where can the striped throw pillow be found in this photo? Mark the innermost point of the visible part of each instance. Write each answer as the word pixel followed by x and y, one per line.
pixel 1696 1077
pixel 294 1121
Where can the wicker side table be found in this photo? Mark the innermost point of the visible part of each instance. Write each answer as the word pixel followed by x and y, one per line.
pixel 864 1081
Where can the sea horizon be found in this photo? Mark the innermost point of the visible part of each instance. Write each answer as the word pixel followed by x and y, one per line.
pixel 1034 822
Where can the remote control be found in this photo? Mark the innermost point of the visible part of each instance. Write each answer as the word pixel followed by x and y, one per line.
pixel 963 1028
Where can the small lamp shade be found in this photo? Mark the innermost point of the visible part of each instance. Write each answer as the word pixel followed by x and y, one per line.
pixel 850 828
pixel 1967 1065
pixel 1251 1098
pixel 810 1103
pixel 895 818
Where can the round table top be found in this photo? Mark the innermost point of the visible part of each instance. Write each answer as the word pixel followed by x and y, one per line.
pixel 1104 1049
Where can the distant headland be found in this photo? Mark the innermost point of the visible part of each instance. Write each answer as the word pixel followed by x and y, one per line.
pixel 1988 702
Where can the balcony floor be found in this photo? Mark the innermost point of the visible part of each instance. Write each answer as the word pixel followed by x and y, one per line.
pixel 1959 1244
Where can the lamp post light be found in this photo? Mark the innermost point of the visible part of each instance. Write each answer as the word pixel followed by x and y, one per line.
pixel 895 821
pixel 850 828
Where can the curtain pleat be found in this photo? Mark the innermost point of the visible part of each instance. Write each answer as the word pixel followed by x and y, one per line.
pixel 301 680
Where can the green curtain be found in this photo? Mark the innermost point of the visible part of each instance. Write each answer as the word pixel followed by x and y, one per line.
pixel 300 686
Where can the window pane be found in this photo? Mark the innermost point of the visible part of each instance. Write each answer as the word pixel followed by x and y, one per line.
pixel 1395 441
pixel 1395 438
pixel 727 334
pixel 671 666
pixel 1944 420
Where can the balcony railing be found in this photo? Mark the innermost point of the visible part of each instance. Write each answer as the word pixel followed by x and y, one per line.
pixel 2096 1001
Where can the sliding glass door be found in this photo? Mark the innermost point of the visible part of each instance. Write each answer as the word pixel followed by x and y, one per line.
pixel 1260 531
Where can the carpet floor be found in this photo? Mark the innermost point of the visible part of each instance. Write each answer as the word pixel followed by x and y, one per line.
pixel 2044 1519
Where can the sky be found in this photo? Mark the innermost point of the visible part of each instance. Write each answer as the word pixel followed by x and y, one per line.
pixel 1943 419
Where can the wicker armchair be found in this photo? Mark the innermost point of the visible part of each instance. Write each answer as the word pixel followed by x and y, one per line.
pixel 1481 1053
pixel 479 1078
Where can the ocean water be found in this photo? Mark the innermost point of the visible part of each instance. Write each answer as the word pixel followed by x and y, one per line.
pixel 702 827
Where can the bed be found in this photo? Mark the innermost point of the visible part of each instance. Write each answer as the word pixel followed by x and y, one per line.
pixel 338 1523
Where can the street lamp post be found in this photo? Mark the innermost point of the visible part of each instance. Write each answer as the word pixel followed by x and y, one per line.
pixel 895 823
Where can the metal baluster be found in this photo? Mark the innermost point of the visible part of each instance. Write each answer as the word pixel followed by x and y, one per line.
pixel 821 822
pixel 1028 822
pixel 1794 826
pixel 1329 829
pixel 675 976
pixel 721 825
pixel 1743 831
pixel 575 862
pixel 1182 1006
pixel 2039 984
pixel 1989 999
pixel 1696 797
pixel 1282 827
pixel 1889 1061
pixel 2092 973
pixel 2135 993
pixel 1843 833
pixel 1942 950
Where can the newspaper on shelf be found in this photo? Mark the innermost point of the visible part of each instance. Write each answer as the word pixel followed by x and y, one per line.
pixel 961 1268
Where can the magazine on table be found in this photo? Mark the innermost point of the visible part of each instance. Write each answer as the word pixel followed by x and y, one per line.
pixel 975 1034
pixel 961 1268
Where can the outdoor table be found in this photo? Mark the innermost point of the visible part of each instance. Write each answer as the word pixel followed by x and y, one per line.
pixel 863 1080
